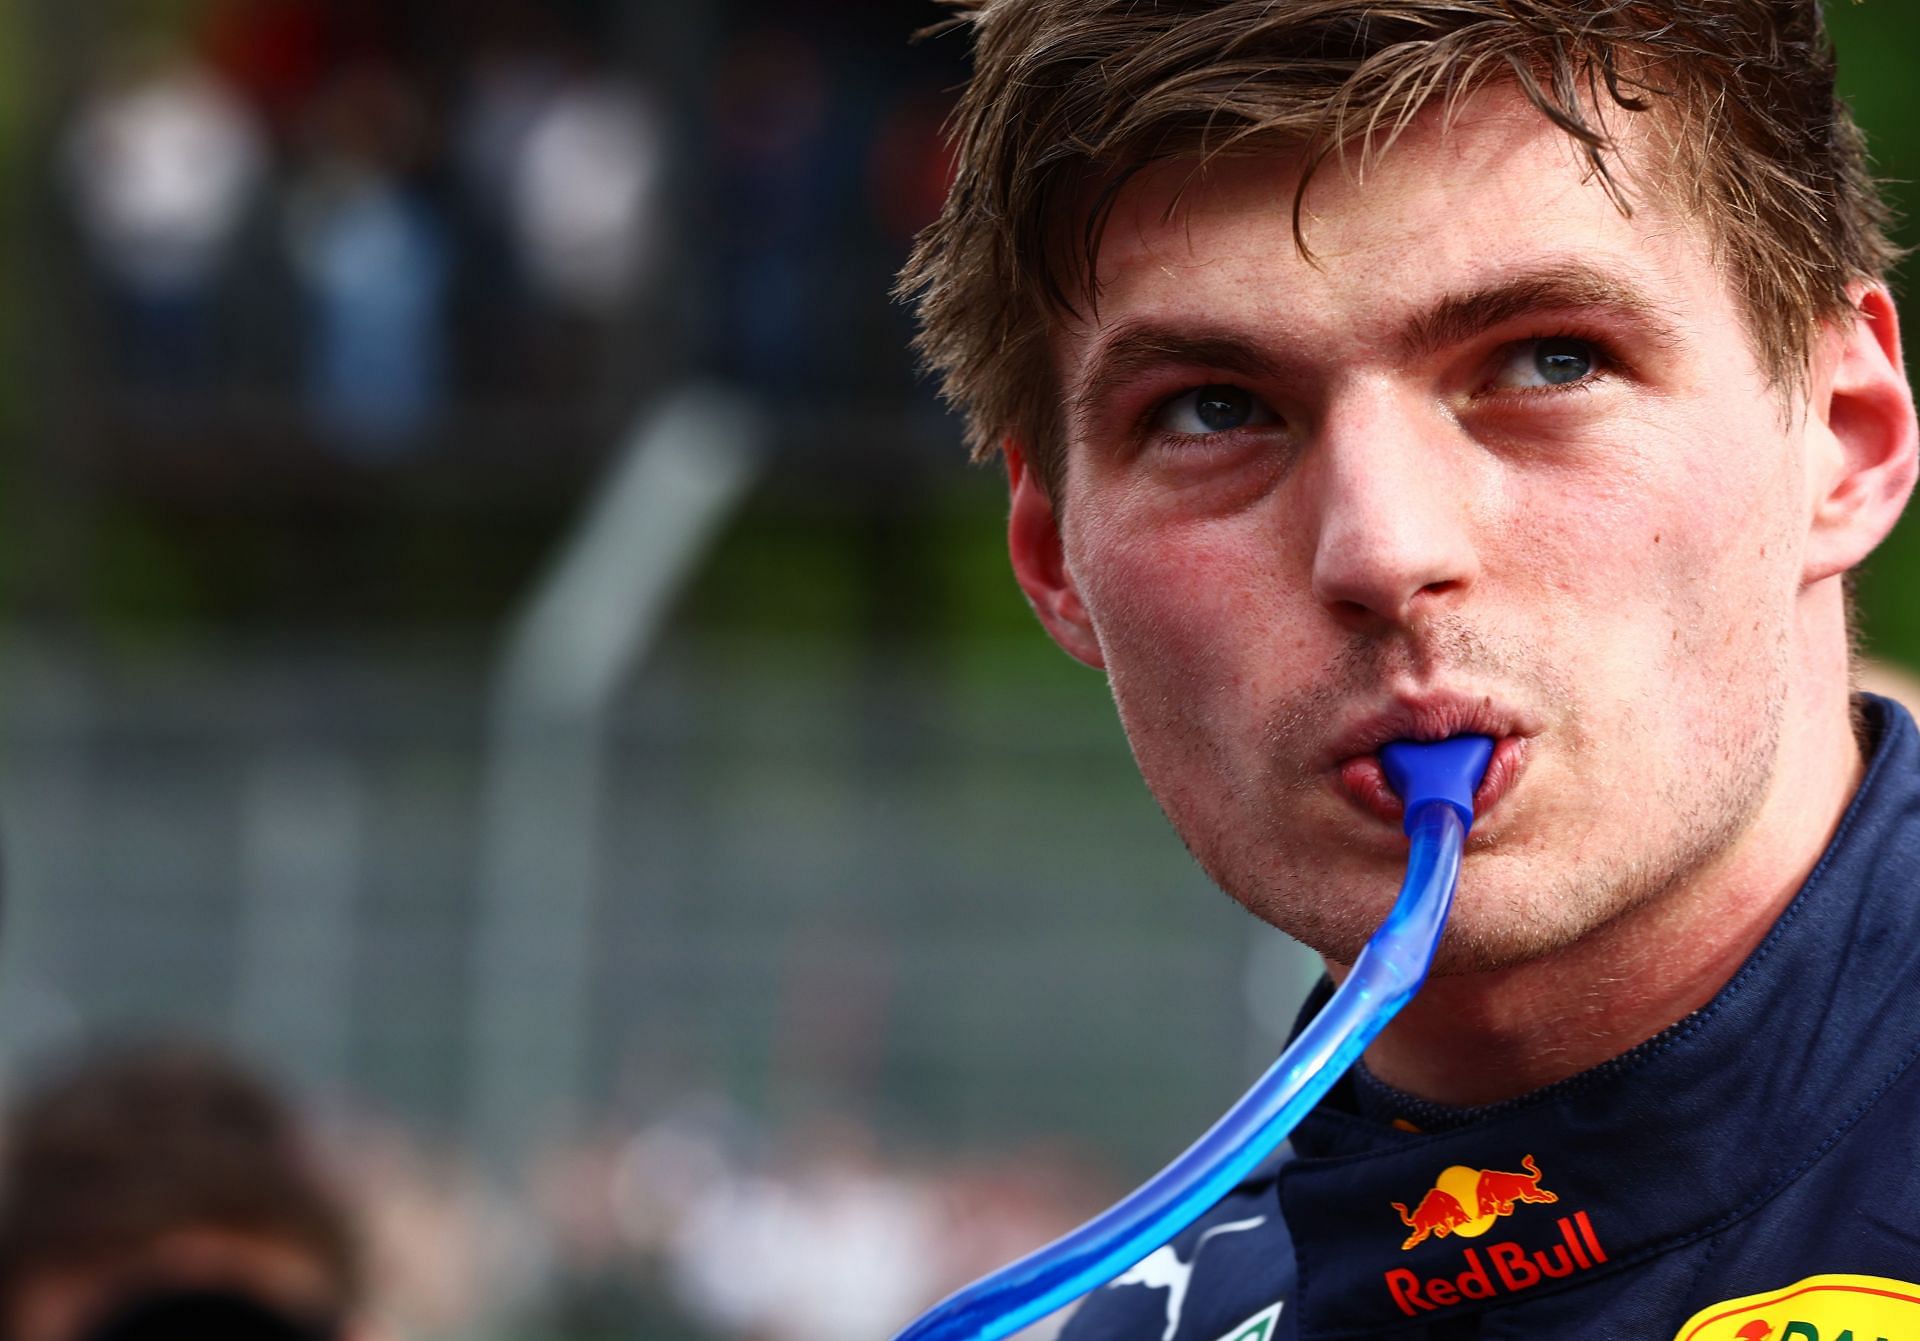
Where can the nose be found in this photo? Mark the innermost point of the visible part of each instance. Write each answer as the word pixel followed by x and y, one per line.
pixel 1394 490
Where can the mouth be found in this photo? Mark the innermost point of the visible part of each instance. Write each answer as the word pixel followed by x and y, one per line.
pixel 1353 762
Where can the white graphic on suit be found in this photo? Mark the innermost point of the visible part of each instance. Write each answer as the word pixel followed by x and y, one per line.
pixel 1162 1269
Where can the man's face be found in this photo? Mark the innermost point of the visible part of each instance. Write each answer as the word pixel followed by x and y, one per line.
pixel 1499 459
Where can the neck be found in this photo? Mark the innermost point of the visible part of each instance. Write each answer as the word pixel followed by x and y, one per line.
pixel 1480 1038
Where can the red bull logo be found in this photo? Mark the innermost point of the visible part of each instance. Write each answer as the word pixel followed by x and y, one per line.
pixel 1468 1201
pixel 1500 1268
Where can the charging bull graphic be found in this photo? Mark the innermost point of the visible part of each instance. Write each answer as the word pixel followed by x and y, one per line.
pixel 1438 1215
pixel 1467 1201
pixel 1499 1191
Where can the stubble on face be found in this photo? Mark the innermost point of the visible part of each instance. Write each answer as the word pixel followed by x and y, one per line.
pixel 1694 820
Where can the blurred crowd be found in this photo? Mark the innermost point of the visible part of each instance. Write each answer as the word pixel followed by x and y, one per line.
pixel 277 162
pixel 382 214
pixel 161 1190
pixel 721 1231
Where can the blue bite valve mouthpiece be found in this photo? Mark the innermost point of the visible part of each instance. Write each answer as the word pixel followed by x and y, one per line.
pixel 1436 780
pixel 1437 770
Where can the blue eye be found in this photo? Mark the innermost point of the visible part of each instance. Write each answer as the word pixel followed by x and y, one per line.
pixel 1214 409
pixel 1560 361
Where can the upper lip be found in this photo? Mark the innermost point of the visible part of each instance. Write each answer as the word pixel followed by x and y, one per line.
pixel 1433 716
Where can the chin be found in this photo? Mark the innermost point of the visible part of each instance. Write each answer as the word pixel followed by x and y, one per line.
pixel 1468 950
pixel 1501 919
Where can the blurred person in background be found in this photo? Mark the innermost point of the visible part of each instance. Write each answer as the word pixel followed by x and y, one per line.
pixel 374 257
pixel 166 1192
pixel 581 193
pixel 164 163
pixel 561 156
pixel 770 169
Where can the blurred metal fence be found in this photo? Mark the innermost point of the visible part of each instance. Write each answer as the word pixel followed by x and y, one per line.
pixel 950 912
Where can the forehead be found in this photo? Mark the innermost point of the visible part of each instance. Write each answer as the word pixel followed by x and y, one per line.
pixel 1457 202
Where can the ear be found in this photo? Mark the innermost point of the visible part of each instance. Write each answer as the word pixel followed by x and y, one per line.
pixel 1040 563
pixel 1862 457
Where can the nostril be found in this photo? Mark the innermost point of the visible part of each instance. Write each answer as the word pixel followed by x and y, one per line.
pixel 1384 582
pixel 1355 617
pixel 1359 612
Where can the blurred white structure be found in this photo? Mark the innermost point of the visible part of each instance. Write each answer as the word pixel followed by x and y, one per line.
pixel 588 625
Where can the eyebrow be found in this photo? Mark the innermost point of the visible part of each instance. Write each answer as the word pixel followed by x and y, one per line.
pixel 1137 347
pixel 1458 318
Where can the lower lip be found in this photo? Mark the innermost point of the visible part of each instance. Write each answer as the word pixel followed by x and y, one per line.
pixel 1364 781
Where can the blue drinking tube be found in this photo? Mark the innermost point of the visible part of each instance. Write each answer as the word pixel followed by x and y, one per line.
pixel 1436 782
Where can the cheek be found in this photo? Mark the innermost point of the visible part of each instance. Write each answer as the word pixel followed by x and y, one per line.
pixel 1188 602
pixel 1666 566
pixel 1656 518
pixel 1726 543
pixel 1192 621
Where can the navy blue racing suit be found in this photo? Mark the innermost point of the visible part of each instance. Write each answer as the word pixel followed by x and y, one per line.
pixel 1750 1174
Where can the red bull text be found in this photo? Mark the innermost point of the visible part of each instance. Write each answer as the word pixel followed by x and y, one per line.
pixel 1499 1268
pixel 1466 1203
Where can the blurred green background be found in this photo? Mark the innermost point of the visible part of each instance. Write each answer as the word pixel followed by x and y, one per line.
pixel 670 859
pixel 1878 46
